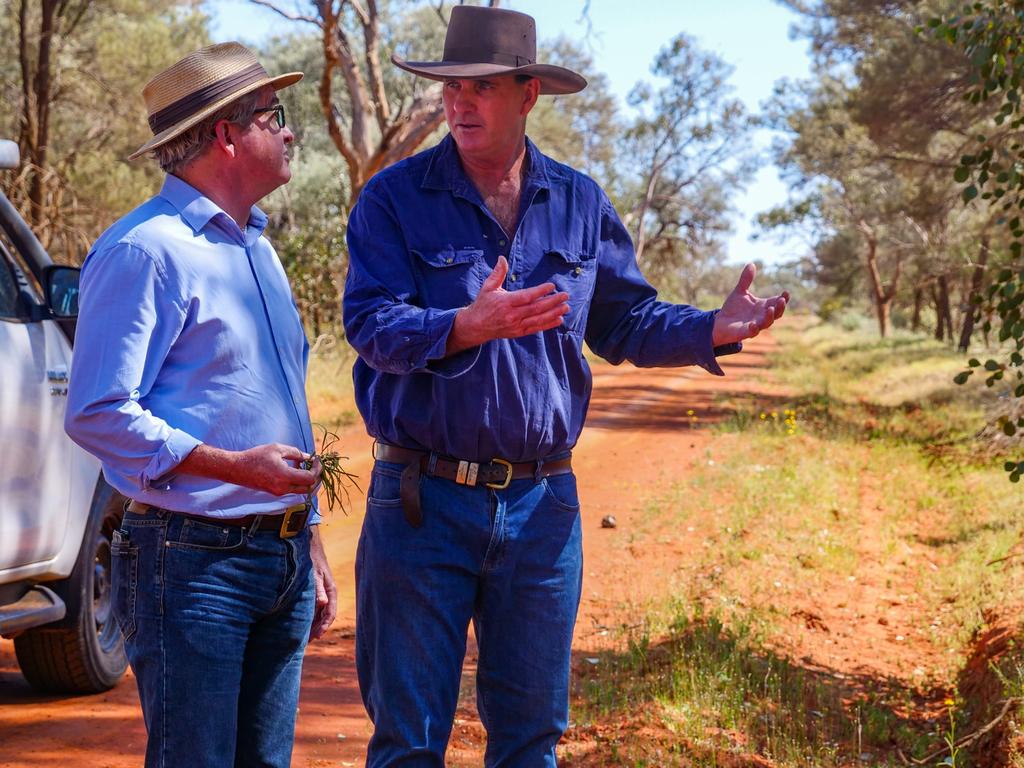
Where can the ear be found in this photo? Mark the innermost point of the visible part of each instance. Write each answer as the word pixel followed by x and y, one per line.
pixel 222 138
pixel 531 91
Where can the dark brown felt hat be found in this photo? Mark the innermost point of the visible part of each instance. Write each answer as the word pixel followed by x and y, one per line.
pixel 197 86
pixel 485 42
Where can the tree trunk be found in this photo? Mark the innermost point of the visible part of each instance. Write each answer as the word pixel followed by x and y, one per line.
pixel 915 318
pixel 970 307
pixel 943 316
pixel 881 295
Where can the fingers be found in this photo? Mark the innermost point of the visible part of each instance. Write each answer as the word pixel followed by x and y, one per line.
pixel 746 279
pixel 497 276
pixel 530 295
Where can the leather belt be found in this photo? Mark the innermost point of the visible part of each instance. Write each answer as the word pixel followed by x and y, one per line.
pixel 496 473
pixel 285 524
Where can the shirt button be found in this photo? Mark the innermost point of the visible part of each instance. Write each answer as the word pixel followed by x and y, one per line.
pixel 578 270
pixel 514 278
pixel 448 260
pixel 501 242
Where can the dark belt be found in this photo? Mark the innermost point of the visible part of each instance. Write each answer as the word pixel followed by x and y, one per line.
pixel 496 473
pixel 285 524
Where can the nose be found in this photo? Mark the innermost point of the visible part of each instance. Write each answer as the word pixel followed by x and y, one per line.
pixel 287 135
pixel 463 101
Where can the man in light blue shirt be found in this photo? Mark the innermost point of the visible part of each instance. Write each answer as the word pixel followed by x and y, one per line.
pixel 189 385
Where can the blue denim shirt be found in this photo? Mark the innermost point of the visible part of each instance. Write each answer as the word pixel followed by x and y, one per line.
pixel 187 334
pixel 421 242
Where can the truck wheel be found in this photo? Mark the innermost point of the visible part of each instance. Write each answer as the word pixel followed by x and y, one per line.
pixel 82 653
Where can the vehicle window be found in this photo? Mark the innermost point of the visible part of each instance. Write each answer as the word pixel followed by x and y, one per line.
pixel 8 290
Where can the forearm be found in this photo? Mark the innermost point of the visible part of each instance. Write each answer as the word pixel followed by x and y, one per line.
pixel 215 464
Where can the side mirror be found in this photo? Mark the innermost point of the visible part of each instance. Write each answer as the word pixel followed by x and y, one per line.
pixel 61 286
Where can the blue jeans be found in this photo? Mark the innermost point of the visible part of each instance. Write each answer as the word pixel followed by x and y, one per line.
pixel 510 561
pixel 215 620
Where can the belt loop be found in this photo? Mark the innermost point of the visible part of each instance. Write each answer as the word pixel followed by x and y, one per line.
pixel 538 471
pixel 431 462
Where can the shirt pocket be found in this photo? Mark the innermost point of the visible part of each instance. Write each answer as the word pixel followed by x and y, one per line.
pixel 574 272
pixel 449 277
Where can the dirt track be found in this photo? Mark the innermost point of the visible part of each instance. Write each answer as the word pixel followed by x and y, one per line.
pixel 638 442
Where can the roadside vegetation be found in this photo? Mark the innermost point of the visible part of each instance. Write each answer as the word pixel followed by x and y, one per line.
pixel 856 588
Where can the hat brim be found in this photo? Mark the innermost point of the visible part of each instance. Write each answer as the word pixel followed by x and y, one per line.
pixel 554 80
pixel 277 83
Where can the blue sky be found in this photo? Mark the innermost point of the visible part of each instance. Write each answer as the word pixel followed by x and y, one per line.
pixel 751 35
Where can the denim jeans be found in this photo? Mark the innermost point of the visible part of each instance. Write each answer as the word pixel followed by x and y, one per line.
pixel 508 560
pixel 215 620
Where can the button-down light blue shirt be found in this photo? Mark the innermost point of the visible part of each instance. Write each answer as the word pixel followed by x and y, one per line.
pixel 187 334
pixel 421 242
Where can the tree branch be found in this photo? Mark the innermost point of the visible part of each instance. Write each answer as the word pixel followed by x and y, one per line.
pixel 286 14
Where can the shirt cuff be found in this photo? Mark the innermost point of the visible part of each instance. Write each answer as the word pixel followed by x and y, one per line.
pixel 175 450
pixel 452 366
pixel 728 349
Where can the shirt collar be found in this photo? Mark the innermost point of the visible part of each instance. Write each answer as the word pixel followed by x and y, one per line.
pixel 444 171
pixel 197 210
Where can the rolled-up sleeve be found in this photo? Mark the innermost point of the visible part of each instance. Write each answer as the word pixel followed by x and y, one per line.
pixel 390 333
pixel 122 340
pixel 628 322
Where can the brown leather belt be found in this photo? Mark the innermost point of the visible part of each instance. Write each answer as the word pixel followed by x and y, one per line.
pixel 496 473
pixel 286 524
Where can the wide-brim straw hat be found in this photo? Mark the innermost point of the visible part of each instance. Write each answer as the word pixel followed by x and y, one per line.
pixel 487 42
pixel 194 88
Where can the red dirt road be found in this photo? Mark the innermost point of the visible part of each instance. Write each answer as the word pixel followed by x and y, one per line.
pixel 638 442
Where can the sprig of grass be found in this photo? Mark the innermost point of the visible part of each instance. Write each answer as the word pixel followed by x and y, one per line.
pixel 335 479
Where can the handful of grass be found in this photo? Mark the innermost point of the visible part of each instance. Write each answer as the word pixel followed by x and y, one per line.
pixel 334 478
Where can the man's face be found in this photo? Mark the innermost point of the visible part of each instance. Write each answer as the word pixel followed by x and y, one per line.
pixel 265 145
pixel 487 117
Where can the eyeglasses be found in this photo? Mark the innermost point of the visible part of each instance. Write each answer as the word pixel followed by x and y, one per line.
pixel 277 109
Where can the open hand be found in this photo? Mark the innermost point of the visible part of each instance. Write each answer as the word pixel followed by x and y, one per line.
pixel 500 314
pixel 743 315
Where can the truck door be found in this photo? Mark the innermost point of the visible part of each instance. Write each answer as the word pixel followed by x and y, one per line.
pixel 35 455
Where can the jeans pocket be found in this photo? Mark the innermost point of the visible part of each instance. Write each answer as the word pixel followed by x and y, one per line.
pixel 201 536
pixel 385 485
pixel 125 581
pixel 561 490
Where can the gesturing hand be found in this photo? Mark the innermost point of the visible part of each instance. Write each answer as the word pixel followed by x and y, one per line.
pixel 500 314
pixel 743 315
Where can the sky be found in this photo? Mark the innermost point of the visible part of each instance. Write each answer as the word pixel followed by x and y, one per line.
pixel 623 37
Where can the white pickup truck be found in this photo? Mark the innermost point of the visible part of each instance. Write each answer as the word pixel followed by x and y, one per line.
pixel 57 513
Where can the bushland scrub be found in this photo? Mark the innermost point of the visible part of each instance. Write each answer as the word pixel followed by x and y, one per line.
pixel 854 546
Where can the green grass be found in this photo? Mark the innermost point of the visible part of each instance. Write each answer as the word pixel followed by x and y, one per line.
pixel 870 457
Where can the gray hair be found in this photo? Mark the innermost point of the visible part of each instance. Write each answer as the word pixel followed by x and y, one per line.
pixel 182 150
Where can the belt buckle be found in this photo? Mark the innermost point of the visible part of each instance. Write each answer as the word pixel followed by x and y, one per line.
pixel 287 531
pixel 508 475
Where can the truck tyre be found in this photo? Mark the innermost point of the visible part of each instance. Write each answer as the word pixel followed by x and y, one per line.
pixel 84 652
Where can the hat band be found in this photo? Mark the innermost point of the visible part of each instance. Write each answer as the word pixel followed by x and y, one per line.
pixel 188 105
pixel 473 56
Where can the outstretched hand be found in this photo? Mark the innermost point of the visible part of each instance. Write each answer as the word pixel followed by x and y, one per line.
pixel 743 315
pixel 500 314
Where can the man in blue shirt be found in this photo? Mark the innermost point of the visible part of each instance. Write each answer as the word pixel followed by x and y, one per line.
pixel 478 270
pixel 189 385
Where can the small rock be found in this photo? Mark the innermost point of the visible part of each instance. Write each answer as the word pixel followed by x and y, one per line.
pixel 608 521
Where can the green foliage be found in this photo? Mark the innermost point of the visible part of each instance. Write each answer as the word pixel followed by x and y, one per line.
pixel 96 112
pixel 991 35
pixel 691 146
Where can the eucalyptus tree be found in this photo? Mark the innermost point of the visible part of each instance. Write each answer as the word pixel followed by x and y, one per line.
pixel 691 143
pixel 73 98
pixel 900 120
pixel 990 36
